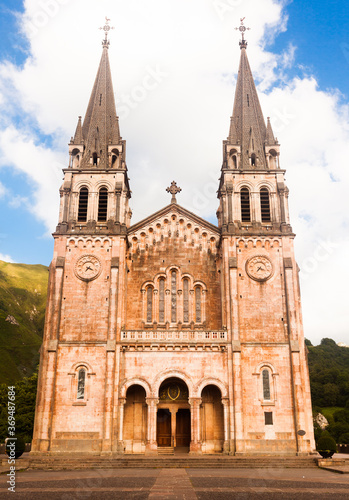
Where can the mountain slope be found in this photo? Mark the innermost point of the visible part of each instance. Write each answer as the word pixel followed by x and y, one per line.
pixel 329 373
pixel 23 291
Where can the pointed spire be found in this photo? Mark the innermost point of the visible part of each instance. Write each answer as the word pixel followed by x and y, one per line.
pixel 247 123
pixel 101 125
pixel 270 139
pixel 78 133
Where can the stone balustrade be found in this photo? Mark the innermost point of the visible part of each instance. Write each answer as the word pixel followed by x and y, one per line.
pixel 174 336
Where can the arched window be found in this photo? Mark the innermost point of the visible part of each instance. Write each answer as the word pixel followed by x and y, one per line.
pixel 265 205
pixel 75 158
pixel 186 301
pixel 272 159
pixel 173 297
pixel 115 155
pixel 162 301
pixel 94 159
pixel 81 384
pixel 103 204
pixel 245 205
pixel 149 304
pixel 266 384
pixel 233 155
pixel 198 304
pixel 253 160
pixel 83 204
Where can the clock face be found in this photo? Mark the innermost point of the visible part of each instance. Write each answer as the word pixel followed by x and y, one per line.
pixel 259 268
pixel 88 268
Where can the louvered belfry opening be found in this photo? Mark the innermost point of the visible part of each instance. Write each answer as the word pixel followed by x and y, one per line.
pixel 265 205
pixel 83 204
pixel 103 204
pixel 245 205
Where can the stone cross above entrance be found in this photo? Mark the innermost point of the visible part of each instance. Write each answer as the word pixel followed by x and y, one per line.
pixel 173 189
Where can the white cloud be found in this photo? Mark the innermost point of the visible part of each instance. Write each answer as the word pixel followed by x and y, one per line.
pixel 3 190
pixel 176 132
pixel 6 258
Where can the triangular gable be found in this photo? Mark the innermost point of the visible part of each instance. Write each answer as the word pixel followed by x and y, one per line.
pixel 174 208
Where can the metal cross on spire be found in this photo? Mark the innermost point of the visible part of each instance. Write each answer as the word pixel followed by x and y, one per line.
pixel 173 190
pixel 106 28
pixel 242 28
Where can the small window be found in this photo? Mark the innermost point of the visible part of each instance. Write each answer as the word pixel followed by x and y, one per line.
pixel 266 384
pixel 173 297
pixel 83 204
pixel 245 205
pixel 103 204
pixel 248 100
pixel 253 160
pixel 186 301
pixel 115 155
pixel 162 301
pixel 94 159
pixel 149 304
pixel 265 205
pixel 81 384
pixel 198 305
pixel 268 418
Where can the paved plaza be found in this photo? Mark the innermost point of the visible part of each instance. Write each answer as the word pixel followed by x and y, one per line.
pixel 173 484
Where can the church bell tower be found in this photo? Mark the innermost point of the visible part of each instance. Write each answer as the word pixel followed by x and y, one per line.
pixel 79 354
pixel 272 403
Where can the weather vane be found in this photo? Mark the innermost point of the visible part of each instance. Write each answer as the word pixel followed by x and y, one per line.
pixel 106 28
pixel 242 28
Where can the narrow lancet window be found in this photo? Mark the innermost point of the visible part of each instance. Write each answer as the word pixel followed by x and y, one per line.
pixel 265 205
pixel 162 301
pixel 173 297
pixel 186 301
pixel 245 205
pixel 81 384
pixel 149 304
pixel 83 204
pixel 198 304
pixel 103 204
pixel 266 384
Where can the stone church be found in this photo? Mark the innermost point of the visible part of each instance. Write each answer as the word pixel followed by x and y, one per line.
pixel 174 333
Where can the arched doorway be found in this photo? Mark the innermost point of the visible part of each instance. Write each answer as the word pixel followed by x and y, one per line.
pixel 173 415
pixel 212 420
pixel 135 420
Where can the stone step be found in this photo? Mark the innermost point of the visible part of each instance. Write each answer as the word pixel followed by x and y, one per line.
pixel 59 463
pixel 165 450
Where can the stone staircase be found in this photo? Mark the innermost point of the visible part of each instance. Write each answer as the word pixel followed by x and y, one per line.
pixel 67 462
pixel 166 450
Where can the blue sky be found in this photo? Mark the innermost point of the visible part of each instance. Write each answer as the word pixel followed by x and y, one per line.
pixel 299 53
pixel 318 30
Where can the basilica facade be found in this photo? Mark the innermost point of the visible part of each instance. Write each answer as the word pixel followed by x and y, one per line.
pixel 174 333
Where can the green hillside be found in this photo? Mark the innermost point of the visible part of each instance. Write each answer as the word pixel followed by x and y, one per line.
pixel 329 373
pixel 23 291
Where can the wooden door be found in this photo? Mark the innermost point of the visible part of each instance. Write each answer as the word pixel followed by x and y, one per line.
pixel 183 427
pixel 164 427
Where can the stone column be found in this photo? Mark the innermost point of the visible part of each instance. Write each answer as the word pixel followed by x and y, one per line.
pixel 118 198
pixel 121 402
pixel 255 207
pixel 152 445
pixel 230 205
pixel 173 426
pixel 195 444
pixel 225 403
